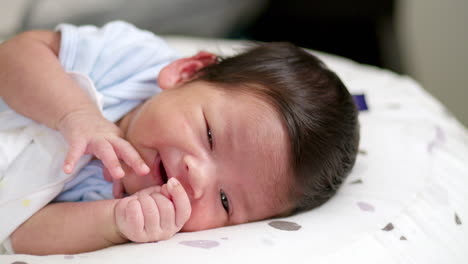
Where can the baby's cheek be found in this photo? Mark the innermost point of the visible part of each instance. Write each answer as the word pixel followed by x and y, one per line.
pixel 192 225
pixel 202 218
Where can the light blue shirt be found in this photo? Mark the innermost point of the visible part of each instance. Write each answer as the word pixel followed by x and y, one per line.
pixel 123 62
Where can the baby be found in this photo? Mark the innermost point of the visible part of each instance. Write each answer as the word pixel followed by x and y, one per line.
pixel 266 133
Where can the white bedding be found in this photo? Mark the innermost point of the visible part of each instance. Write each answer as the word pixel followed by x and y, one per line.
pixel 406 200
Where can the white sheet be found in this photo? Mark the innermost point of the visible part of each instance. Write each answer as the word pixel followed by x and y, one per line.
pixel 404 202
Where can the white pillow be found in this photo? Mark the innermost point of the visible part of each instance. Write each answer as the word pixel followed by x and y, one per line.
pixel 406 200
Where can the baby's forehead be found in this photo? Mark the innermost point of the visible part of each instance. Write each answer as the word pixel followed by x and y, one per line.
pixel 261 145
pixel 269 190
pixel 254 123
pixel 252 100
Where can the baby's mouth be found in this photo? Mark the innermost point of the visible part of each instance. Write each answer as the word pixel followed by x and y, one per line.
pixel 162 170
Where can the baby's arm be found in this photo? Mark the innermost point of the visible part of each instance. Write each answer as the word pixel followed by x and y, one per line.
pixel 33 81
pixel 68 228
pixel 34 84
pixel 153 214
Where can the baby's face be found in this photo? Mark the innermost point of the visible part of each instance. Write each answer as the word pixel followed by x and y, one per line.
pixel 228 150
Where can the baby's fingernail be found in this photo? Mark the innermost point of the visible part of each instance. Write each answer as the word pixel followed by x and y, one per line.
pixel 173 182
pixel 144 168
pixel 119 172
pixel 67 168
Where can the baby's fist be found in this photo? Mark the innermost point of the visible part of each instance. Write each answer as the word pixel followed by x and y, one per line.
pixel 153 214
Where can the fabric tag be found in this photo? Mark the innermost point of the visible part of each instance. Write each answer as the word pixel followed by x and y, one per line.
pixel 360 101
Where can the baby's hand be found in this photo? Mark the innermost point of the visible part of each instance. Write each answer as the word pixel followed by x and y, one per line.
pixel 90 133
pixel 153 214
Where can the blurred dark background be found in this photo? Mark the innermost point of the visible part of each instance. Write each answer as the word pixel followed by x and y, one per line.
pixel 426 39
pixel 347 28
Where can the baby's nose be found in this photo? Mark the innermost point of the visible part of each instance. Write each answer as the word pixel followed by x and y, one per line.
pixel 197 175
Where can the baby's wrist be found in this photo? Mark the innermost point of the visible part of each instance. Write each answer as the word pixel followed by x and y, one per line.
pixel 72 119
pixel 119 237
pixel 116 236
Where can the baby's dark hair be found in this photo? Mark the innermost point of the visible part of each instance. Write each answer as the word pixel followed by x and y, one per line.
pixel 319 113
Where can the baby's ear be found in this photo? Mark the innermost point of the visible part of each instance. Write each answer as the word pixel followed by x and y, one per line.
pixel 182 70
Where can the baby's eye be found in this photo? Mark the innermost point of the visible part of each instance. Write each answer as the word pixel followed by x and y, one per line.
pixel 224 201
pixel 210 137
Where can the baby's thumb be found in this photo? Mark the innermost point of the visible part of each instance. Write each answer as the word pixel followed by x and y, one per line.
pixel 180 200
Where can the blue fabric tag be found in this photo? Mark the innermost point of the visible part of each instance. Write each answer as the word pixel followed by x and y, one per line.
pixel 360 101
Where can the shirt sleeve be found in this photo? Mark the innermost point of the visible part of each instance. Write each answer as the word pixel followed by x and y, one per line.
pixel 122 61
pixel 88 185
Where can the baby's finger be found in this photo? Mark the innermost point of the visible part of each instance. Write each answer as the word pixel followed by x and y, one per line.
pixel 166 215
pixel 105 152
pixel 151 214
pixel 120 214
pixel 106 174
pixel 150 190
pixel 181 202
pixel 135 221
pixel 165 192
pixel 121 218
pixel 130 156
pixel 74 154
